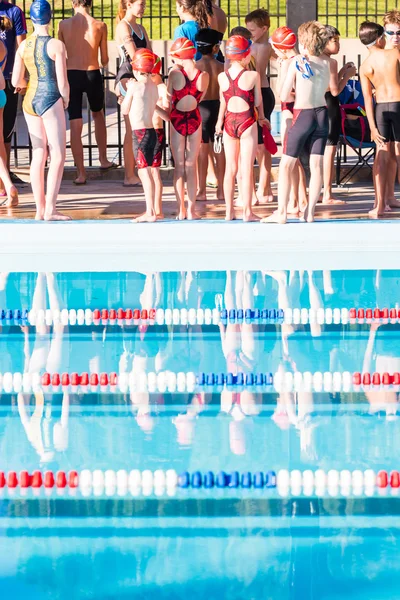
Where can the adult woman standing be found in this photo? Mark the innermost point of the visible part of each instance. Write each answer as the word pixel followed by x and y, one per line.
pixel 46 99
pixel 10 189
pixel 130 36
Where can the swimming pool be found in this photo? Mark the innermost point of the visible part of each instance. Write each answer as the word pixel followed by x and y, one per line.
pixel 188 482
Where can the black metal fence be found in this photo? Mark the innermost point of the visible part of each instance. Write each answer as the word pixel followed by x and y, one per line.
pixel 347 15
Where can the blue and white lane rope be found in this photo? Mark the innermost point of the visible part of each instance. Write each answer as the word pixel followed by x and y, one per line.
pixel 159 482
pixel 200 316
pixel 170 382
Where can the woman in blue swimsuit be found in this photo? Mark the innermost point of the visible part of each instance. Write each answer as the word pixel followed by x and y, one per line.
pixel 46 99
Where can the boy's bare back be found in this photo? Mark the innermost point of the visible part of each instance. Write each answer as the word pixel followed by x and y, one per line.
pixel 382 68
pixel 213 67
pixel 83 36
pixel 145 96
pixel 262 54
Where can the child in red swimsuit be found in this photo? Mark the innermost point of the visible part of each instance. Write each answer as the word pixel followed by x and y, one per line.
pixel 186 86
pixel 240 95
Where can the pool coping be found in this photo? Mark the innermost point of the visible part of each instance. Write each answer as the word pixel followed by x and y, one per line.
pixel 110 245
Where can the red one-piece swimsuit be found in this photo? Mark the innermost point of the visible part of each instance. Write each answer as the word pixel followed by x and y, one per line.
pixel 236 123
pixel 186 122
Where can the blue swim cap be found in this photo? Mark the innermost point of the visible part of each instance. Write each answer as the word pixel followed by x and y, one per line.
pixel 40 12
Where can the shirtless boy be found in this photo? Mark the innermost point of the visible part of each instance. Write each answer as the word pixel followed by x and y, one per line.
pixel 381 72
pixel 159 127
pixel 83 37
pixel 140 103
pixel 258 23
pixel 310 74
pixel 207 41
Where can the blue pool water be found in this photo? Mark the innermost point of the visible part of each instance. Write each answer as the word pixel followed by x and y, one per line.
pixel 217 543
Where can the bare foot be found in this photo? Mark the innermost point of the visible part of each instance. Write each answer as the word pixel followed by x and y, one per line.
pixel 39 216
pixel 80 180
pixel 192 215
pixel 145 218
pixel 12 197
pixel 182 215
pixel 221 197
pixel 265 198
pixel 107 164
pixel 276 217
pixel 249 217
pixel 331 200
pixel 201 197
pixel 132 181
pixel 160 216
pixel 388 208
pixel 230 215
pixel 393 203
pixel 293 210
pixel 56 216
pixel 374 214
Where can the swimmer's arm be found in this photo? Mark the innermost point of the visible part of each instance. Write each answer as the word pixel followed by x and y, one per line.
pixel 126 37
pixel 345 73
pixel 289 82
pixel 258 100
pixel 164 114
pixel 204 80
pixel 18 75
pixel 126 104
pixel 333 78
pixel 222 107
pixel 61 71
pixel 104 59
pixel 366 86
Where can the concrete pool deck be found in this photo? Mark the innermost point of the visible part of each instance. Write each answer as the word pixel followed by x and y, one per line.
pixel 101 237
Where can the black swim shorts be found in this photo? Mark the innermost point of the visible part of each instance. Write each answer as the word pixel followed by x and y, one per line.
pixel 387 117
pixel 85 82
pixel 309 131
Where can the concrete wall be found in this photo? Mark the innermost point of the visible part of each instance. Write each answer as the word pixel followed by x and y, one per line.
pixel 351 50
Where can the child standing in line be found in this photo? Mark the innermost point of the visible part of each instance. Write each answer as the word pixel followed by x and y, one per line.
pixel 240 95
pixel 187 86
pixel 140 103
pixel 258 23
pixel 159 127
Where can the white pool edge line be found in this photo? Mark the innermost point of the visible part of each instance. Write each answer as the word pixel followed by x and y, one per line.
pixel 205 245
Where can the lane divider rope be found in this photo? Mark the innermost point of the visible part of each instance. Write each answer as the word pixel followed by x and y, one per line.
pixel 169 381
pixel 200 316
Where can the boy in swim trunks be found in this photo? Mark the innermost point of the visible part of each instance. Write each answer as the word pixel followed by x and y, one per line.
pixel 381 72
pixel 258 23
pixel 310 74
pixel 159 127
pixel 207 41
pixel 84 37
pixel 140 102
pixel 334 115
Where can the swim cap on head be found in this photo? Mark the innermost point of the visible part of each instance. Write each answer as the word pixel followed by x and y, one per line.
pixel 157 66
pixel 283 38
pixel 182 48
pixel 144 60
pixel 237 47
pixel 40 12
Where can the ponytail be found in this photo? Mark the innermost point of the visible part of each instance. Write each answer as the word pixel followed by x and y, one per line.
pixel 121 10
pixel 5 23
pixel 209 7
pixel 198 10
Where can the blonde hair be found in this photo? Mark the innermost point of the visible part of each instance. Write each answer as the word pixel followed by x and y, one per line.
pixel 392 17
pixel 313 36
pixel 5 23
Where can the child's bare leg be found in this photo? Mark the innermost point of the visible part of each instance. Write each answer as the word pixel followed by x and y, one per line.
pixel 316 168
pixel 220 172
pixel 329 169
pixel 248 149
pixel 158 190
pixel 55 127
pixel 37 134
pixel 147 180
pixel 293 204
pixel 390 199
pixel 303 200
pixel 211 173
pixel 193 143
pixel 264 191
pixel 380 173
pixel 129 160
pixel 286 169
pixel 231 147
pixel 202 164
pixel 11 190
pixel 393 203
pixel 178 147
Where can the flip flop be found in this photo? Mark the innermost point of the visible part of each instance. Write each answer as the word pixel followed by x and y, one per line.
pixel 212 185
pixel 132 185
pixel 112 166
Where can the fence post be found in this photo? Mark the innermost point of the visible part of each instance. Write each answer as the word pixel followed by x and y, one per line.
pixel 300 11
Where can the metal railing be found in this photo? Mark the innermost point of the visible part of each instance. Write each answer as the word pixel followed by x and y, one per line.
pixel 347 15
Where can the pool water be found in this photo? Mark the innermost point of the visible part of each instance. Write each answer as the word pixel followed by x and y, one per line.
pixel 216 543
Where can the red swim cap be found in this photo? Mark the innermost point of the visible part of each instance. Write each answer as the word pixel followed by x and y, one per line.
pixel 157 66
pixel 237 47
pixel 144 61
pixel 183 48
pixel 283 38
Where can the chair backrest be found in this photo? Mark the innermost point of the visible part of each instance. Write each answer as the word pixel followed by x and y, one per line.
pixel 358 128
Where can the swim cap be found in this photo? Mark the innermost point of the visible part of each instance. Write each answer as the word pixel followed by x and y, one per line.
pixel 40 12
pixel 283 38
pixel 144 61
pixel 157 66
pixel 237 47
pixel 182 48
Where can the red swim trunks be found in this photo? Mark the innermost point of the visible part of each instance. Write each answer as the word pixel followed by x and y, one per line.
pixel 147 147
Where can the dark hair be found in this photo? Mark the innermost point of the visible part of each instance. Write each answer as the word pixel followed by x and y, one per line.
pixel 198 10
pixel 260 17
pixel 83 3
pixel 5 23
pixel 243 31
pixel 331 32
pixel 209 7
pixel 369 32
pixel 206 39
